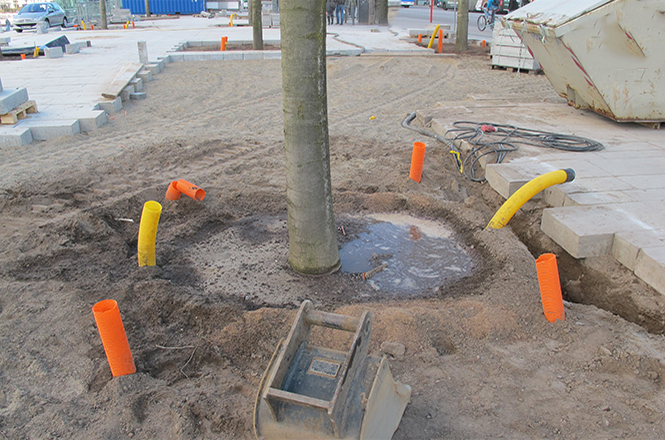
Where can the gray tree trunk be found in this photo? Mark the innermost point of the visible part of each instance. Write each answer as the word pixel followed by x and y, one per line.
pixel 257 24
pixel 147 8
pixel 372 12
pixel 382 12
pixel 102 14
pixel 311 223
pixel 462 38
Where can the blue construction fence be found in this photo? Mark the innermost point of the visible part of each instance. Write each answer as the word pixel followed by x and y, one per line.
pixel 165 7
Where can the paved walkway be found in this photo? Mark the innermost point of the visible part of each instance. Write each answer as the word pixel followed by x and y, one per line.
pixel 614 205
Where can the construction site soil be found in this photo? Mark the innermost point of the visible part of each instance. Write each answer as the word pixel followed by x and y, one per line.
pixel 479 355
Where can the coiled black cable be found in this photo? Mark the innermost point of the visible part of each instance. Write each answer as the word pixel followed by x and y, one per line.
pixel 487 138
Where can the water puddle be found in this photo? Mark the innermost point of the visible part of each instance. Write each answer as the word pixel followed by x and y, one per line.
pixel 418 255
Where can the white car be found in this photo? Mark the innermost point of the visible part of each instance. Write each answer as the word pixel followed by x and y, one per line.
pixel 33 13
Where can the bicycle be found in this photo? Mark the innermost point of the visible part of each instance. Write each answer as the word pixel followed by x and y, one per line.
pixel 485 19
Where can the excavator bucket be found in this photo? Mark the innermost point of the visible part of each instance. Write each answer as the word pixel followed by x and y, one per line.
pixel 310 392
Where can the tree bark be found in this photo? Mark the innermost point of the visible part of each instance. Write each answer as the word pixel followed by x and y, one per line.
pixel 311 223
pixel 257 24
pixel 462 38
pixel 147 8
pixel 372 12
pixel 382 12
pixel 102 14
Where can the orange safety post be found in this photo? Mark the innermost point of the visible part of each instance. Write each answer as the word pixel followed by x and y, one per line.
pixel 225 41
pixel 484 43
pixel 173 193
pixel 114 338
pixel 133 25
pixel 23 56
pixel 420 38
pixel 92 27
pixel 440 40
pixel 550 287
pixel 417 160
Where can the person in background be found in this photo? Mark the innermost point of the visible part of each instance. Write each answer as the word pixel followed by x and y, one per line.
pixel 330 11
pixel 340 11
pixel 350 11
pixel 512 5
pixel 492 7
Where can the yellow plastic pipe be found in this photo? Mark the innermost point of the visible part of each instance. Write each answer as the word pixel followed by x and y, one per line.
pixel 148 233
pixel 522 195
pixel 431 40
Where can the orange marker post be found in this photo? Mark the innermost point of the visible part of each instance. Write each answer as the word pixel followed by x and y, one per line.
pixel 484 43
pixel 550 287
pixel 92 27
pixel 133 25
pixel 173 193
pixel 420 38
pixel 114 338
pixel 440 40
pixel 23 56
pixel 417 160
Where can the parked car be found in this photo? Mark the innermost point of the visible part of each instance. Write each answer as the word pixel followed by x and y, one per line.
pixel 33 13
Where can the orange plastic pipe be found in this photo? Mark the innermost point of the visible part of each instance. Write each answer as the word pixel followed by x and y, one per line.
pixel 173 193
pixel 114 338
pixel 550 287
pixel 420 38
pixel 417 160
pixel 440 40
pixel 191 190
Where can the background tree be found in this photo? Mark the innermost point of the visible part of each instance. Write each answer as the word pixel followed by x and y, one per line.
pixel 462 39
pixel 147 8
pixel 311 223
pixel 382 11
pixel 102 14
pixel 257 24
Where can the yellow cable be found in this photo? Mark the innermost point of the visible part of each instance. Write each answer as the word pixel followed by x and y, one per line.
pixel 148 233
pixel 431 40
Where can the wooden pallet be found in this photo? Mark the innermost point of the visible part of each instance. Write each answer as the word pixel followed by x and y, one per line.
pixel 521 70
pixel 20 112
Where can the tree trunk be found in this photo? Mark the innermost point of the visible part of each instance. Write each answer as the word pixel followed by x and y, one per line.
pixel 311 223
pixel 257 24
pixel 382 12
pixel 372 12
pixel 462 39
pixel 147 8
pixel 249 12
pixel 102 14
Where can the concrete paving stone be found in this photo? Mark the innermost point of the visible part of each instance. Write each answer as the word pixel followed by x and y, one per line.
pixel 627 244
pixel 203 56
pixel 4 41
pixel 72 48
pixel 15 136
pixel 126 92
pixel 45 130
pixel 272 55
pixel 233 56
pixel 91 120
pixel 645 181
pixel 596 198
pixel 650 267
pixel 137 83
pixel 583 168
pixel 646 195
pixel 145 75
pixel 632 167
pixel 137 96
pixel 0 85
pixel 166 59
pixel 111 105
pixel 160 63
pixel 649 215
pixel 509 177
pixel 252 55
pixel 53 52
pixel 586 231
pixel 12 98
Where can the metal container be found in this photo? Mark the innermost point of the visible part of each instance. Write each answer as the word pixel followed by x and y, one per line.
pixel 165 7
pixel 604 55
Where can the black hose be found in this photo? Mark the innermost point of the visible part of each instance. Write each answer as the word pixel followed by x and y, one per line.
pixel 488 138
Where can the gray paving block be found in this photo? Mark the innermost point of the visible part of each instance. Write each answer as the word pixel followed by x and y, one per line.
pixel 112 105
pixel 145 75
pixel 137 96
pixel 4 41
pixel 45 130
pixel 126 92
pixel 252 55
pixel 15 136
pixel 166 59
pixel 627 244
pixel 585 231
pixel 137 83
pixel 272 55
pixel 92 120
pixel 596 198
pixel 233 56
pixel 160 63
pixel 650 267
pixel 53 52
pixel 12 98
pixel 72 48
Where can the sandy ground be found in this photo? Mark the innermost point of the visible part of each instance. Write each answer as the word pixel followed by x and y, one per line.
pixel 481 359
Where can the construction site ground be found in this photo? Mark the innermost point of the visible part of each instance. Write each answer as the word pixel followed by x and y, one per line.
pixel 479 355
